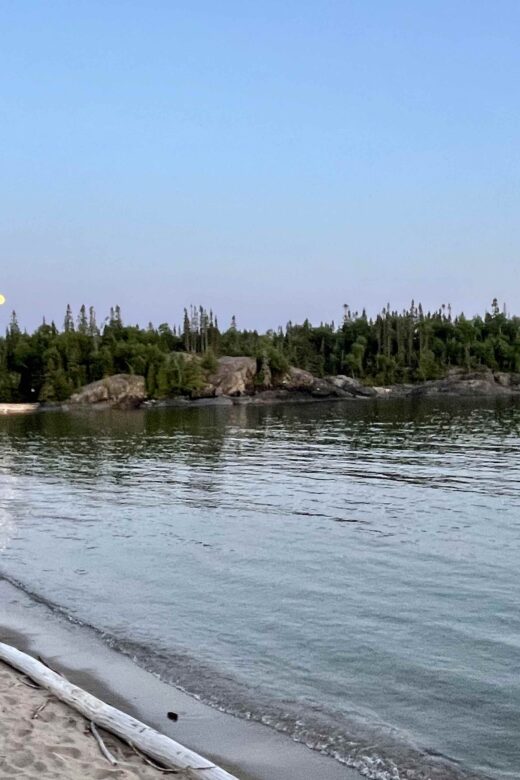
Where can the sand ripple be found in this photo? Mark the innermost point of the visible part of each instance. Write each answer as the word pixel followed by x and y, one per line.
pixel 57 743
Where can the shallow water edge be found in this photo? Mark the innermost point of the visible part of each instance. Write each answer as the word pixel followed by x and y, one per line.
pixel 247 749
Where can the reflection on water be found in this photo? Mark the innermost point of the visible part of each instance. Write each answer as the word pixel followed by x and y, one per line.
pixel 7 492
pixel 347 572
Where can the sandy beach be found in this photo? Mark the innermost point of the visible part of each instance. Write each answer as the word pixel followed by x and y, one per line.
pixel 40 737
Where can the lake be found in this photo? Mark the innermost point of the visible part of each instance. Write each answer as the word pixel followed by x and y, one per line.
pixel 346 573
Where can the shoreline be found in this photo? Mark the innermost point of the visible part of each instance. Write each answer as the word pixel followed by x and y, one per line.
pixel 247 749
pixel 464 386
pixel 294 400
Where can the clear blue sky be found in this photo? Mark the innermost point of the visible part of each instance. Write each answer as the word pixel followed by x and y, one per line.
pixel 269 159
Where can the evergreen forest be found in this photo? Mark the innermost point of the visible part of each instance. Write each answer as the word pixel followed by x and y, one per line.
pixel 408 346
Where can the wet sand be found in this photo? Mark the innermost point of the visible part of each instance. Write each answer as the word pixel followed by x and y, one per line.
pixel 247 749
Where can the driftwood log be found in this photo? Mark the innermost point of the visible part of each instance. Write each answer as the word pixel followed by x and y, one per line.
pixel 150 742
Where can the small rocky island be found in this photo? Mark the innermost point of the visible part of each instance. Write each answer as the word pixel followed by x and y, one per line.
pixel 411 353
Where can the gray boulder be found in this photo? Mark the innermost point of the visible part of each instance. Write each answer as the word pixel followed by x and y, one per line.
pixel 298 379
pixel 121 391
pixel 462 385
pixel 234 376
pixel 351 386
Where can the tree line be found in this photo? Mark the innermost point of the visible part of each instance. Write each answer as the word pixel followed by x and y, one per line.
pixel 406 346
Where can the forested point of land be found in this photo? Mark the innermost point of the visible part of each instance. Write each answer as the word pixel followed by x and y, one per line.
pixel 410 346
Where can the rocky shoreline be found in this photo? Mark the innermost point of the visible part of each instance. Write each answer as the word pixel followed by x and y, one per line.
pixel 235 381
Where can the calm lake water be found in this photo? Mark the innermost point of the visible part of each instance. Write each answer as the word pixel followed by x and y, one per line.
pixel 348 573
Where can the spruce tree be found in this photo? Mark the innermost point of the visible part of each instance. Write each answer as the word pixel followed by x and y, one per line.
pixel 68 322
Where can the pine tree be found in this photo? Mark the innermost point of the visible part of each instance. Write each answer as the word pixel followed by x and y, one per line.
pixel 186 335
pixel 92 324
pixel 14 328
pixel 82 321
pixel 68 322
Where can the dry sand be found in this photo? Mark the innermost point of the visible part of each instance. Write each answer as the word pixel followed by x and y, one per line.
pixel 57 743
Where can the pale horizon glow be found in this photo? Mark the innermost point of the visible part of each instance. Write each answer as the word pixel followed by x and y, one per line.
pixel 272 161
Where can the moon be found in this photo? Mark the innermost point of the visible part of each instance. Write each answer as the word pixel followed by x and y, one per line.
pixel 2 299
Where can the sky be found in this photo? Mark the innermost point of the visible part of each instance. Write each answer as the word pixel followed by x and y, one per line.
pixel 272 160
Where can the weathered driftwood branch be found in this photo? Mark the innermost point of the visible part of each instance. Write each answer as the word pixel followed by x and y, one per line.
pixel 106 752
pixel 158 746
pixel 38 710
pixel 29 684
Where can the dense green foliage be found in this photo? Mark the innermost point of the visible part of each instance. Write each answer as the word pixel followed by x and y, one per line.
pixel 407 346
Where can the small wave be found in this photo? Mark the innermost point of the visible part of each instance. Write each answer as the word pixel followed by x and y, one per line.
pixel 376 750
